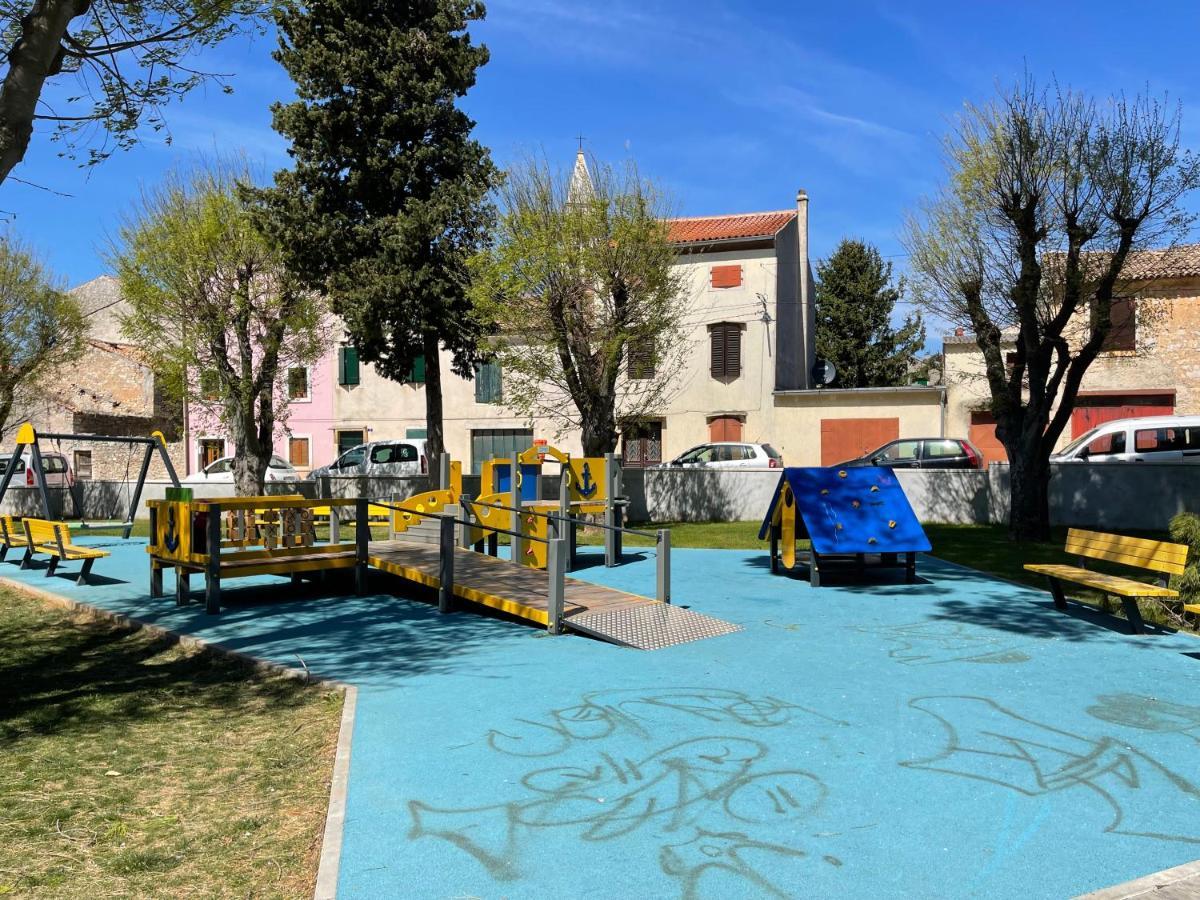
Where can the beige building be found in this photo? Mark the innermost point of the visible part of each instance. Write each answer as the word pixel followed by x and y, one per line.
pixel 1151 364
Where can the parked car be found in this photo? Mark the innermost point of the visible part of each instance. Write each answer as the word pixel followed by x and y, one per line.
pixel 220 471
pixel 922 453
pixel 1159 439
pixel 380 458
pixel 727 455
pixel 55 466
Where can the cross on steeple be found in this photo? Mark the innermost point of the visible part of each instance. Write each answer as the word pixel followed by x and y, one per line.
pixel 581 139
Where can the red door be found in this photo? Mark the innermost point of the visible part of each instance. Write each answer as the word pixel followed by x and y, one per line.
pixel 725 428
pixel 982 433
pixel 843 439
pixel 1091 411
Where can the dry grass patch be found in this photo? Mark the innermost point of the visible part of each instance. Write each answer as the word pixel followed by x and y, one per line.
pixel 133 767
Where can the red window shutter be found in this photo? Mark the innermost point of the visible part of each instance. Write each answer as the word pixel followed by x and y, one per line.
pixel 726 276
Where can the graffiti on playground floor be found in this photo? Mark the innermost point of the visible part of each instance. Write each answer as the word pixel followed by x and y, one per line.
pixel 987 742
pixel 934 643
pixel 704 801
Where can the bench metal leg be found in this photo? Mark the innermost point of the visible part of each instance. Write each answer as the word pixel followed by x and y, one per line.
pixel 25 560
pixel 52 566
pixel 183 587
pixel 85 572
pixel 1136 624
pixel 3 552
pixel 1056 591
pixel 156 589
pixel 910 567
pixel 814 568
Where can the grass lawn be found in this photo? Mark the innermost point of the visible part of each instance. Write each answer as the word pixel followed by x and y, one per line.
pixel 130 766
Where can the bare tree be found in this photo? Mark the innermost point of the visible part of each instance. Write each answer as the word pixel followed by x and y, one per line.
pixel 1048 193
pixel 127 58
pixel 587 302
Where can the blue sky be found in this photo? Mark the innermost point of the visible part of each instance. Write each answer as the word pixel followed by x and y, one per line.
pixel 731 106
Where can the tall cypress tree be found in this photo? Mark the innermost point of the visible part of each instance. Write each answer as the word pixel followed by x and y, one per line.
pixel 388 196
pixel 855 301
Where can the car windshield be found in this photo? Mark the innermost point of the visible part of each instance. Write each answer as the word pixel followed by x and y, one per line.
pixel 702 453
pixel 4 464
pixel 54 465
pixel 350 458
pixel 278 462
pixel 1084 438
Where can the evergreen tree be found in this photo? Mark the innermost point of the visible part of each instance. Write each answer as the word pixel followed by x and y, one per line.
pixel 855 301
pixel 388 197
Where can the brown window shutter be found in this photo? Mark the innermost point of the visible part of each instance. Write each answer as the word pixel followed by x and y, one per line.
pixel 733 351
pixel 726 276
pixel 717 348
pixel 1122 334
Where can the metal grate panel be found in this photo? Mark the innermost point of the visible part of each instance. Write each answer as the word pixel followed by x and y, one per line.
pixel 649 626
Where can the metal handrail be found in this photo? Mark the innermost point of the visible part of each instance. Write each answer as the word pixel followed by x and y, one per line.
pixel 559 518
pixel 434 515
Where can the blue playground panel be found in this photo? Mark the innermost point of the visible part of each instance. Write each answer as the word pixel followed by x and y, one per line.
pixel 852 510
pixel 952 738
pixel 530 473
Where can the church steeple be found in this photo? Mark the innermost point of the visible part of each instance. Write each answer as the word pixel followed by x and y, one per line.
pixel 580 190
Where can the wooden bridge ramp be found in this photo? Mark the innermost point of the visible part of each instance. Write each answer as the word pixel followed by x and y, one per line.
pixel 601 612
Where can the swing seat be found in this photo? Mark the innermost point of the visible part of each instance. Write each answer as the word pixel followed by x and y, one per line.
pixel 54 539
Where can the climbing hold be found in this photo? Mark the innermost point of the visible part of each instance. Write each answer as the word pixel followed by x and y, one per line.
pixel 841 473
pixel 838 526
pixel 891 523
pixel 855 504
pixel 874 489
pixel 824 491
pixel 872 541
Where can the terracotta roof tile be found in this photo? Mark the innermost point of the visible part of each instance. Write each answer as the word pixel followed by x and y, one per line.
pixel 724 228
pixel 1182 261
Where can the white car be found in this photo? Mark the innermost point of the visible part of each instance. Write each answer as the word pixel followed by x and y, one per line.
pixel 396 458
pixel 1153 439
pixel 727 455
pixel 55 466
pixel 221 472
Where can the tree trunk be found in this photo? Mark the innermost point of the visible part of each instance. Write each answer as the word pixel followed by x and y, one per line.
pixel 1029 496
pixel 251 455
pixel 435 442
pixel 599 433
pixel 35 56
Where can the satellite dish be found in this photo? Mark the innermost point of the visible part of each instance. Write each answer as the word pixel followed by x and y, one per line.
pixel 823 373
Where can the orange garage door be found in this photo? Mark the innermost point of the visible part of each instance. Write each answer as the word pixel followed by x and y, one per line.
pixel 982 434
pixel 843 439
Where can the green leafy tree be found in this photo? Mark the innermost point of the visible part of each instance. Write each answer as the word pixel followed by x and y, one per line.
pixel 587 302
pixel 1047 193
pixel 388 197
pixel 214 310
pixel 124 61
pixel 855 303
pixel 42 327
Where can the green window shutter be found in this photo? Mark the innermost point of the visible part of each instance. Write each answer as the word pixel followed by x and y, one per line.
pixel 348 366
pixel 487 382
pixel 417 375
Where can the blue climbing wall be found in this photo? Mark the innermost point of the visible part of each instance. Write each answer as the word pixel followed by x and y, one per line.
pixel 854 510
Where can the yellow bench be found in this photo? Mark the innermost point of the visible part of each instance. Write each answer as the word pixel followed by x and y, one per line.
pixel 54 539
pixel 11 534
pixel 1137 553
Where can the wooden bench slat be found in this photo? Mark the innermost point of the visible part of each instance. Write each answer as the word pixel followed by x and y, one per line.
pixel 1160 556
pixel 1176 553
pixel 1112 584
pixel 54 539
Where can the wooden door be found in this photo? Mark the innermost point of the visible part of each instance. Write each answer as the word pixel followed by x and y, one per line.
pixel 1092 411
pixel 843 439
pixel 641 446
pixel 982 433
pixel 725 428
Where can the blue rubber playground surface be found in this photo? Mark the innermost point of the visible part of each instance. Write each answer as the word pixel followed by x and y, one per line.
pixel 951 738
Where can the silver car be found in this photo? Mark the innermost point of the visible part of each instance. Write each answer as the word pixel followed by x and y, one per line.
pixel 380 458
pixel 727 455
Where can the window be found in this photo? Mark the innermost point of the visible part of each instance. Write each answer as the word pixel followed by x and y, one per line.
pixel 83 465
pixel 210 451
pixel 54 465
pixel 1122 333
pixel 1105 445
pixel 393 453
pixel 487 382
pixel 725 339
pixel 901 450
pixel 726 276
pixel 413 433
pixel 641 445
pixel 220 467
pixel 497 443
pixel 641 358
pixel 351 459
pixel 349 439
pixel 942 449
pixel 416 375
pixel 702 454
pixel 348 366
pixel 298 452
pixel 20 465
pixel 725 428
pixel 1160 440
pixel 297 383
pixel 278 462
pixel 210 385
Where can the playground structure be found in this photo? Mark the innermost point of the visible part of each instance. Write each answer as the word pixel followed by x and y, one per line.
pixel 28 438
pixel 853 517
pixel 437 540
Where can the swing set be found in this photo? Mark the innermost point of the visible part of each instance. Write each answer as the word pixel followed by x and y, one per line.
pixel 28 438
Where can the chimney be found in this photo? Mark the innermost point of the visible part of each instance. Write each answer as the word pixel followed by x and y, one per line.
pixel 959 332
pixel 808 319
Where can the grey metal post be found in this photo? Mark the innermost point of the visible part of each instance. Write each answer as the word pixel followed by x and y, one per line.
pixel 464 528
pixel 443 471
pixel 212 572
pixel 8 470
pixel 362 537
pixel 446 564
pixel 166 458
pixel 556 557
pixel 664 566
pixel 566 528
pixel 39 476
pixel 515 526
pixel 137 491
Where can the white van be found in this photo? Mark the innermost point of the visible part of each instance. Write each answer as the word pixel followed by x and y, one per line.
pixel 1158 439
